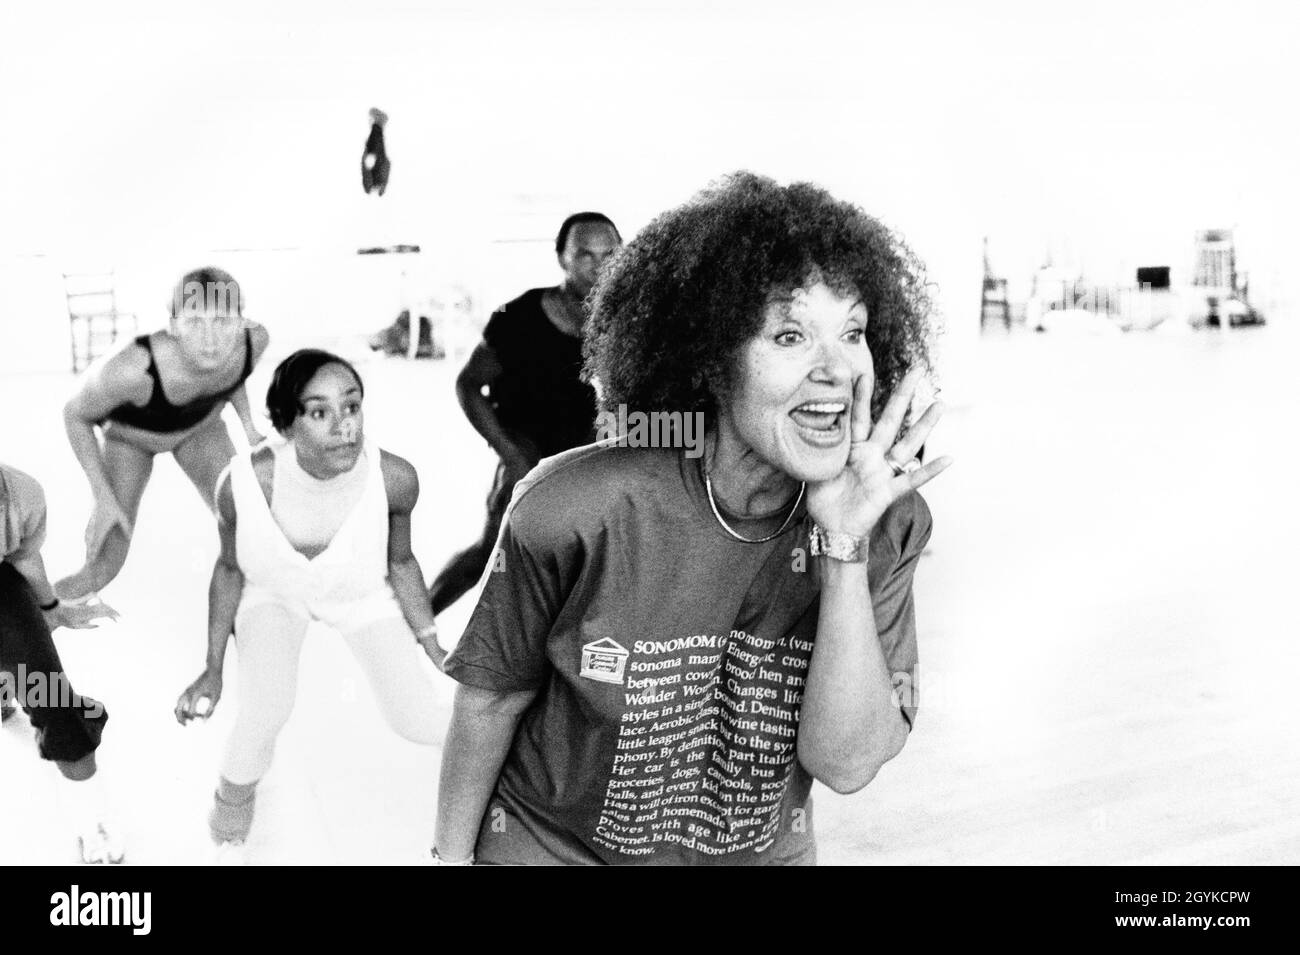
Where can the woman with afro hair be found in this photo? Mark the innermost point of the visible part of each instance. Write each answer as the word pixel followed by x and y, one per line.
pixel 675 641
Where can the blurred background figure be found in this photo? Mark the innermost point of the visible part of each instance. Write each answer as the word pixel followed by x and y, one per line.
pixel 529 362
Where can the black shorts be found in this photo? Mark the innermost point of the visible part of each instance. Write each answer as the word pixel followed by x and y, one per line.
pixel 68 726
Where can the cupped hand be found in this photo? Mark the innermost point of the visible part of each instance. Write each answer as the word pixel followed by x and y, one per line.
pixel 199 701
pixel 852 501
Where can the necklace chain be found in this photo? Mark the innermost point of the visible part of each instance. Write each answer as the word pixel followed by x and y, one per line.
pixel 708 488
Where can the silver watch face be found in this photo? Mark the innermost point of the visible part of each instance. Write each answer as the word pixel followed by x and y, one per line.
pixel 845 547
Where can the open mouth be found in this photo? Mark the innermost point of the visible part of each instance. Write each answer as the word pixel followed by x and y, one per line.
pixel 821 422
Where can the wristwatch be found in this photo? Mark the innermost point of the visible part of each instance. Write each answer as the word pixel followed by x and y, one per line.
pixel 837 545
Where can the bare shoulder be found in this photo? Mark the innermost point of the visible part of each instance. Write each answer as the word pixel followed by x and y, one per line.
pixel 264 470
pixel 123 375
pixel 260 337
pixel 401 481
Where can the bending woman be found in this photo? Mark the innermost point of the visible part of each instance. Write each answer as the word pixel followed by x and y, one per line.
pixel 315 528
pixel 68 726
pixel 681 639
pixel 162 393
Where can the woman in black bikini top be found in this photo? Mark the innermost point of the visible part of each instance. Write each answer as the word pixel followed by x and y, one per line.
pixel 126 397
pixel 160 415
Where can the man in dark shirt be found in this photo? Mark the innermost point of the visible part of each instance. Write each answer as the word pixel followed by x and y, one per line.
pixel 535 405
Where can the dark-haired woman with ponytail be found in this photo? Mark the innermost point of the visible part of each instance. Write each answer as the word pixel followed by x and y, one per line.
pixel 314 528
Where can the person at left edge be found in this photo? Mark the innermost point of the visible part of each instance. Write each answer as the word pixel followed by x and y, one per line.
pixel 68 726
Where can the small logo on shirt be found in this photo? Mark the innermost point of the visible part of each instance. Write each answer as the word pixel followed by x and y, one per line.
pixel 603 660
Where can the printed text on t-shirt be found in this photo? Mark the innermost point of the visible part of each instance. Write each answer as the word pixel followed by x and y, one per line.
pixel 706 744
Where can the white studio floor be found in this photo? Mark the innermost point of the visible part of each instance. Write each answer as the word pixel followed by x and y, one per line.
pixel 1106 626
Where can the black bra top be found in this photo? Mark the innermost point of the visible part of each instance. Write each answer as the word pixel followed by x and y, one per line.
pixel 160 415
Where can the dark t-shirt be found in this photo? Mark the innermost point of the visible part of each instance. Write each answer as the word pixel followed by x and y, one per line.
pixel 539 396
pixel 669 660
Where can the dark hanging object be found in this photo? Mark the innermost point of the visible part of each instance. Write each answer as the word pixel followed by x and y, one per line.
pixel 374 161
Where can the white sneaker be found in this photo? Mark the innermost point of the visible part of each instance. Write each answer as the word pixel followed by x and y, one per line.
pixel 230 853
pixel 101 845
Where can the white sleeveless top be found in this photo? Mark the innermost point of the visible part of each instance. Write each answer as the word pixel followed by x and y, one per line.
pixel 353 566
pixel 310 510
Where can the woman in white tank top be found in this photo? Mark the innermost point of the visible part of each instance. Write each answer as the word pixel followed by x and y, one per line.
pixel 315 528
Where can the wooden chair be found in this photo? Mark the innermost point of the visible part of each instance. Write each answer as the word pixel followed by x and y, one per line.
pixel 94 320
pixel 994 304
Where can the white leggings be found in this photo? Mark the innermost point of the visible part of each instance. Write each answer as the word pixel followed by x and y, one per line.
pixel 269 637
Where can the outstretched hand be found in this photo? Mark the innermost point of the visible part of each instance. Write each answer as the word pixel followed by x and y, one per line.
pixel 852 501
pixel 79 616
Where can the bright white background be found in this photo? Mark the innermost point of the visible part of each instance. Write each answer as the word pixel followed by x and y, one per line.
pixel 147 135
pixel 1105 611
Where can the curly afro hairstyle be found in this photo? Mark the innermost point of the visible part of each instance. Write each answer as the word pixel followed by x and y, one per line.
pixel 672 311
